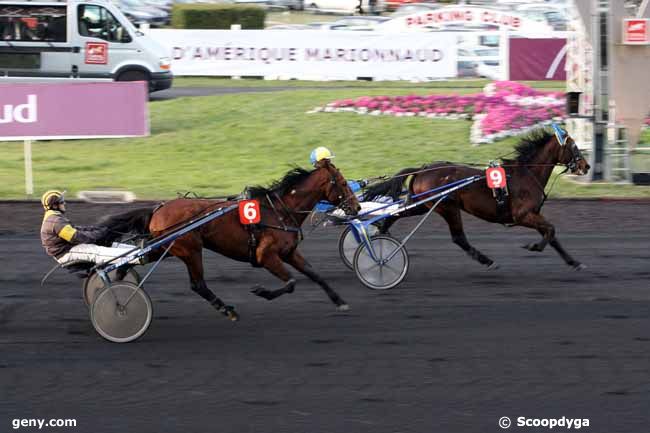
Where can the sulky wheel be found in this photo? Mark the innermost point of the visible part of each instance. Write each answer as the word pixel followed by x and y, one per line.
pixel 348 243
pixel 122 312
pixel 93 284
pixel 382 274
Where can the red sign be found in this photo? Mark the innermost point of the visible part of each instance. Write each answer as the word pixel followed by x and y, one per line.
pixel 635 31
pixel 495 177
pixel 537 59
pixel 249 212
pixel 463 16
pixel 96 53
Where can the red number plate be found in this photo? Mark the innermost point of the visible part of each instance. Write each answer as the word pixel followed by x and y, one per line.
pixel 249 212
pixel 495 177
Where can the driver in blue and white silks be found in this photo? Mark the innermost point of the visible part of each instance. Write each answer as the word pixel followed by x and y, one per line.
pixel 355 185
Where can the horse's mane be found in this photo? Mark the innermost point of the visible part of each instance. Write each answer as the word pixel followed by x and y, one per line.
pixel 280 186
pixel 529 145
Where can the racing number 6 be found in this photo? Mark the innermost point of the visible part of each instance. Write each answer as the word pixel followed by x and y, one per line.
pixel 249 212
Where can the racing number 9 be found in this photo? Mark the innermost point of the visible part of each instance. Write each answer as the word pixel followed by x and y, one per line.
pixel 495 177
pixel 249 212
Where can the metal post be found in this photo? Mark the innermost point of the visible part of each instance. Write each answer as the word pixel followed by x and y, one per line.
pixel 504 51
pixel 600 36
pixel 29 180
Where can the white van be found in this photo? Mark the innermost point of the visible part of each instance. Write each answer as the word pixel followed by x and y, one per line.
pixel 78 39
pixel 347 7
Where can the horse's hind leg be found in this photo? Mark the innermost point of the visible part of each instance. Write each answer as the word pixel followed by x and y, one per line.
pixel 298 261
pixel 451 214
pixel 194 263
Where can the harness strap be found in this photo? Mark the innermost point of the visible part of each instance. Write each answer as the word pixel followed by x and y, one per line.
pixel 541 188
pixel 252 246
pixel 287 211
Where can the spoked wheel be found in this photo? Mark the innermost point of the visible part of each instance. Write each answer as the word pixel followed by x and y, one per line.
pixel 348 243
pixel 382 274
pixel 122 312
pixel 93 284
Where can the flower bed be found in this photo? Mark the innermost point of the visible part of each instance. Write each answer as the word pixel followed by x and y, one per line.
pixel 504 109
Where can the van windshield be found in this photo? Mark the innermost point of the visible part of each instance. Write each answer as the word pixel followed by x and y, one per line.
pixel 33 23
pixel 97 22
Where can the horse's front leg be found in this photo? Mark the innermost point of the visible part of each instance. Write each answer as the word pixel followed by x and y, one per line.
pixel 267 256
pixel 547 230
pixel 576 265
pixel 539 223
pixel 298 261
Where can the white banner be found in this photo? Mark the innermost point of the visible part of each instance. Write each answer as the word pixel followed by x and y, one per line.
pixel 310 54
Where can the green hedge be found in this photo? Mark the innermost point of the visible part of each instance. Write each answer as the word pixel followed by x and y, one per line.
pixel 219 16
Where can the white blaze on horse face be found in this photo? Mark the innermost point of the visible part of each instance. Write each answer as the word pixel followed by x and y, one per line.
pixel 293 191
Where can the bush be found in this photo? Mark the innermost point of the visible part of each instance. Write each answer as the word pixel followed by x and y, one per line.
pixel 219 16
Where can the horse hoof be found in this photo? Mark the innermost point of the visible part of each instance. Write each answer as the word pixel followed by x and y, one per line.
pixel 343 307
pixel 579 267
pixel 229 312
pixel 532 247
pixel 261 292
pixel 493 267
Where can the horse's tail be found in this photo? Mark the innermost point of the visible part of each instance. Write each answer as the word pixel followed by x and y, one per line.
pixel 393 187
pixel 133 222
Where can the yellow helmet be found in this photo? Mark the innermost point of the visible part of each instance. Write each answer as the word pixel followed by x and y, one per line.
pixel 320 153
pixel 51 198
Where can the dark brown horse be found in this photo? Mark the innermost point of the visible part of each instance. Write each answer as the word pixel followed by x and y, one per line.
pixel 537 154
pixel 271 244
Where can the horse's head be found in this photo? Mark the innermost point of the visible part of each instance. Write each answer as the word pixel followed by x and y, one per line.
pixel 335 187
pixel 568 152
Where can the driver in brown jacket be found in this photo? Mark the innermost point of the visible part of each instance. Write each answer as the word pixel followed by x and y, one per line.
pixel 68 243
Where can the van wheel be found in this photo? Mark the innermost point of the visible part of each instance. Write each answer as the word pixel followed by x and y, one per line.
pixel 134 76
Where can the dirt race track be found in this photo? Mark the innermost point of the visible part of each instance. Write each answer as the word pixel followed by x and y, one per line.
pixel 451 350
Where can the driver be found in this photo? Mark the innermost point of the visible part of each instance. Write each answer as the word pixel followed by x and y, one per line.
pixel 378 204
pixel 68 243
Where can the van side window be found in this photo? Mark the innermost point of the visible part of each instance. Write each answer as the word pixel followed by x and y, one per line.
pixel 33 23
pixel 97 22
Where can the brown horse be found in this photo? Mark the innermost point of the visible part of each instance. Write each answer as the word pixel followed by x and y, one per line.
pixel 270 244
pixel 527 174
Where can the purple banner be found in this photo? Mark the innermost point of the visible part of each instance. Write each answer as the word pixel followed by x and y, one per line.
pixel 537 59
pixel 73 110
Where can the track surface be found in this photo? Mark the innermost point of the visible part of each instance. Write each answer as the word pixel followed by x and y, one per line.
pixel 451 350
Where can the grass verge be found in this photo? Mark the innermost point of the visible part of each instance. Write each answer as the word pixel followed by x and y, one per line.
pixel 217 145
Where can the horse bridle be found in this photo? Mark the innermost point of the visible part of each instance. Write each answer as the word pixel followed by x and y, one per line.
pixel 576 156
pixel 291 212
pixel 344 203
pixel 562 138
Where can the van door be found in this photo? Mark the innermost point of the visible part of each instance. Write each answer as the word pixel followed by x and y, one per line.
pixel 104 42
